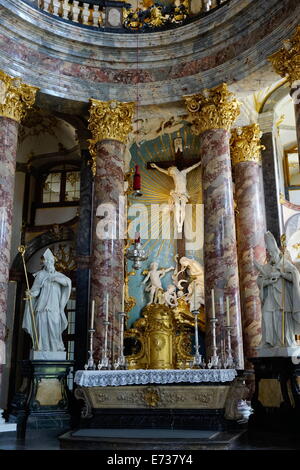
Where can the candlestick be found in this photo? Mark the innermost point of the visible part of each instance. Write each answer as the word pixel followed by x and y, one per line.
pixel 123 298
pixel 195 295
pixel 228 311
pixel 213 303
pixel 91 364
pixel 120 363
pixel 197 361
pixel 92 314
pixel 106 308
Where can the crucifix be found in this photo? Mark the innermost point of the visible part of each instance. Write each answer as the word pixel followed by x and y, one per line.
pixel 178 170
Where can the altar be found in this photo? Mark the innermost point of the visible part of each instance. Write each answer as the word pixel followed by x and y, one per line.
pixel 177 399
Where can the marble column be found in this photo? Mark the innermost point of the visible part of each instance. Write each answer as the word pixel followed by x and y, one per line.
pixel 83 255
pixel 286 63
pixel 15 99
pixel 251 227
pixel 212 114
pixel 270 174
pixel 110 123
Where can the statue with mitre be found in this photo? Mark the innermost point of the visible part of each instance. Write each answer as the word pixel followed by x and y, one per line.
pixel 44 316
pixel 279 284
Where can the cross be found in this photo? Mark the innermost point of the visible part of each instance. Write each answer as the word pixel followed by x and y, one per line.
pixel 181 164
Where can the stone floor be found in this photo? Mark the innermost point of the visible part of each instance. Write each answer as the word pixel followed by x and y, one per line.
pixel 48 440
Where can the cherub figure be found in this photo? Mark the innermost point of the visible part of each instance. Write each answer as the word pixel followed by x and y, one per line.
pixel 154 277
pixel 170 296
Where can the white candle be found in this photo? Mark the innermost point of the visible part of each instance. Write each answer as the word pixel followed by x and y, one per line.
pixel 123 298
pixel 106 309
pixel 92 314
pixel 195 295
pixel 213 303
pixel 228 311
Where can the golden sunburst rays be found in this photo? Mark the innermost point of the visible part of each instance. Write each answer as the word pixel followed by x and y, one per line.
pixel 155 222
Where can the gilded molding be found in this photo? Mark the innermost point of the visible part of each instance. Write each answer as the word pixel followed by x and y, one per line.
pixel 16 98
pixel 245 144
pixel 286 61
pixel 108 120
pixel 212 109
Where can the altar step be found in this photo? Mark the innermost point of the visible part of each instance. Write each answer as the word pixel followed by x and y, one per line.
pixel 148 439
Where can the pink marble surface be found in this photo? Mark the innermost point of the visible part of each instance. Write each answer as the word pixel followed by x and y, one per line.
pixel 8 148
pixel 107 255
pixel 213 54
pixel 297 118
pixel 251 227
pixel 220 250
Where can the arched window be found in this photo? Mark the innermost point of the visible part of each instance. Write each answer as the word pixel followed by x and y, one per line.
pixel 61 185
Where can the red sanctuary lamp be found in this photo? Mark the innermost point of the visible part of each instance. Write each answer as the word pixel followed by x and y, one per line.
pixel 137 182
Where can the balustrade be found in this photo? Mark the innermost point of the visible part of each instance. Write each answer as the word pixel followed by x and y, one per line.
pixel 93 13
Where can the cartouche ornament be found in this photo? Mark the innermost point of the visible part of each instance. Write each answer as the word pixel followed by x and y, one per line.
pixel 245 144
pixel 212 109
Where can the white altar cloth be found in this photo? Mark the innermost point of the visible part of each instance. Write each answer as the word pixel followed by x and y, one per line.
pixel 104 378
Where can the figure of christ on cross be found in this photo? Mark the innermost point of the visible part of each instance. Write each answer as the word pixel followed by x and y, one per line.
pixel 179 195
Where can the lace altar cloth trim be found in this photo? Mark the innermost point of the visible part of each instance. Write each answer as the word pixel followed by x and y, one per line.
pixel 92 378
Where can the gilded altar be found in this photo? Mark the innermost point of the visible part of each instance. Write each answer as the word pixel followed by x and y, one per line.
pixel 161 338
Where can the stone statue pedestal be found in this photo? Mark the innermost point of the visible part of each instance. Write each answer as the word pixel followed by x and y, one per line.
pixel 276 400
pixel 43 400
pixel 279 351
pixel 48 355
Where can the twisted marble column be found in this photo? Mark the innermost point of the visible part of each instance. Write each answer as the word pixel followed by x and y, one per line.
pixel 212 114
pixel 15 99
pixel 251 227
pixel 110 124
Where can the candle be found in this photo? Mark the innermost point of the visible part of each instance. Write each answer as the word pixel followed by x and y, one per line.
pixel 194 295
pixel 213 303
pixel 106 310
pixel 92 314
pixel 123 298
pixel 227 311
pixel 137 179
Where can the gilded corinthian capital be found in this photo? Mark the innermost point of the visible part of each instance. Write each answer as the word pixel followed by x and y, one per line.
pixel 212 109
pixel 15 97
pixel 245 144
pixel 286 61
pixel 109 120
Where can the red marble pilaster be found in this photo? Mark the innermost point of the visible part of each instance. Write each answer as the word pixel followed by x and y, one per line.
pixel 251 227
pixel 107 255
pixel 220 251
pixel 8 149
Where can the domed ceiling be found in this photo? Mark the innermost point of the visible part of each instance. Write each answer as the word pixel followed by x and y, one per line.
pixel 67 60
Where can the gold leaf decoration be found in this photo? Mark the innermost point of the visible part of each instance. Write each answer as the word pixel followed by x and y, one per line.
pixel 15 97
pixel 245 144
pixel 212 109
pixel 109 120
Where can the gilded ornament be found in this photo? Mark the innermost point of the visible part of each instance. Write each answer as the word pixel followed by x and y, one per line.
pixel 212 109
pixel 286 61
pixel 108 120
pixel 164 336
pixel 245 144
pixel 15 97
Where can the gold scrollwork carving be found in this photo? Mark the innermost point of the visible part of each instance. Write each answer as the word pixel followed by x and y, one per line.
pixel 164 335
pixel 286 61
pixel 245 144
pixel 15 97
pixel 212 109
pixel 109 120
pixel 151 397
